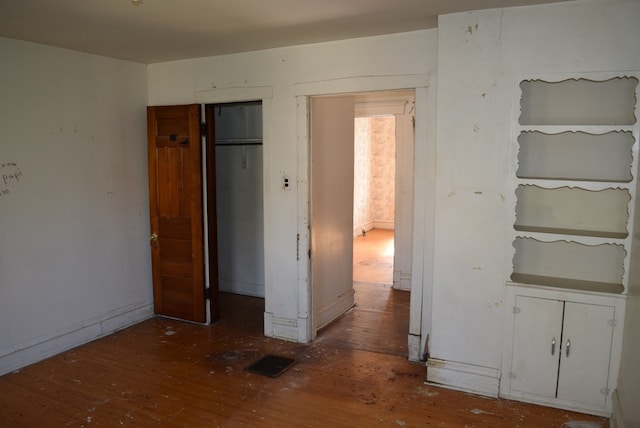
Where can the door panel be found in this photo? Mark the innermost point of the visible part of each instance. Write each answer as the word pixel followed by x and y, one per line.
pixel 175 197
pixel 538 322
pixel 403 234
pixel 332 157
pixel 584 372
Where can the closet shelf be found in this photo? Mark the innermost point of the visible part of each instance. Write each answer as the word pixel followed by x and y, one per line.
pixel 586 184
pixel 238 141
pixel 588 129
pixel 567 283
pixel 571 232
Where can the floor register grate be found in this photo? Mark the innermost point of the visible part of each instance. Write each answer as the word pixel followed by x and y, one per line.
pixel 271 365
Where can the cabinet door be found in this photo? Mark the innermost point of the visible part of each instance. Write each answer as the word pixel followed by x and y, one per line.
pixel 536 346
pixel 586 349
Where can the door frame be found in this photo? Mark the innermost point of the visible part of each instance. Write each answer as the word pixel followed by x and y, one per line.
pixel 238 95
pixel 424 198
pixel 400 106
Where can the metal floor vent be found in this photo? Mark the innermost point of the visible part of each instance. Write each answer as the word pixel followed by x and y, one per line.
pixel 271 365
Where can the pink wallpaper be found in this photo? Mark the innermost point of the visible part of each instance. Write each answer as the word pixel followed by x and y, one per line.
pixel 374 172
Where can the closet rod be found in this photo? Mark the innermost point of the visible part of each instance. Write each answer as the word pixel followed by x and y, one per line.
pixel 240 144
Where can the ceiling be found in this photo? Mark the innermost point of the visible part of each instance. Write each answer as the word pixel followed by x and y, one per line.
pixel 150 31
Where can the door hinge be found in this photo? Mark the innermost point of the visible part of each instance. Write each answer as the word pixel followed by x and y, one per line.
pixel 203 129
pixel 515 310
pixel 207 293
pixel 611 323
pixel 605 391
pixel 512 375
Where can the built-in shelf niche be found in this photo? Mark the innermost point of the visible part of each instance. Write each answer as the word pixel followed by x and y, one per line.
pixel 572 211
pixel 578 102
pixel 570 265
pixel 576 156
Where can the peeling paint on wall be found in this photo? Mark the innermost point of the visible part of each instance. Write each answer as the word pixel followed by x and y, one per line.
pixel 470 29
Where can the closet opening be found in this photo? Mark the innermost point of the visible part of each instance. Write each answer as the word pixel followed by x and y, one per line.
pixel 235 201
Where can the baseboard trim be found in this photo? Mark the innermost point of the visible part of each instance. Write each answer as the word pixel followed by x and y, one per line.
pixel 243 288
pixel 415 353
pixel 616 421
pixel 384 224
pixel 75 335
pixel 357 230
pixel 463 377
pixel 402 283
pixel 283 328
pixel 334 309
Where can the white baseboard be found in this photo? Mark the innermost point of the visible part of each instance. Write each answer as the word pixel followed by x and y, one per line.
pixel 75 335
pixel 616 420
pixel 243 288
pixel 415 353
pixel 379 224
pixel 281 328
pixel 334 309
pixel 401 281
pixel 357 230
pixel 463 377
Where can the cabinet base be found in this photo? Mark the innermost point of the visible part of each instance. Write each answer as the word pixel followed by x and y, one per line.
pixel 463 377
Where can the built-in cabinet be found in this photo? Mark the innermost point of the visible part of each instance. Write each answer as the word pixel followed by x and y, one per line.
pixel 562 348
pixel 575 146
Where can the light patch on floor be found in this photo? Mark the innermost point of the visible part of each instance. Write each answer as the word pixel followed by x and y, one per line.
pixel 480 412
pixel 581 424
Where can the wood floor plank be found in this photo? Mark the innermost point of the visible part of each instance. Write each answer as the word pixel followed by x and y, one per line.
pixel 167 373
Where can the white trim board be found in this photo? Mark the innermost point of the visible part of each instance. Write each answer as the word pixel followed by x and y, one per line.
pixel 424 144
pixel 73 336
pixel 463 377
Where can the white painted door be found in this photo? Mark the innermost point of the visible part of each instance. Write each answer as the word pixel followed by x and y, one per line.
pixel 332 159
pixel 584 364
pixel 536 346
pixel 403 236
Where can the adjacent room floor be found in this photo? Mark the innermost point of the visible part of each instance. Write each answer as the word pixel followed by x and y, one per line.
pixel 167 373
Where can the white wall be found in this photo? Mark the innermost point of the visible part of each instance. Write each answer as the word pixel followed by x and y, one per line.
pixel 74 258
pixel 284 74
pixel 481 56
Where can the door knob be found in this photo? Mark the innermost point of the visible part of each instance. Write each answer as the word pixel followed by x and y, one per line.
pixel 153 239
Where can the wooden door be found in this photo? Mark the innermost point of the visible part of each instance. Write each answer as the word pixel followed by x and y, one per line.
pixel 332 160
pixel 175 197
pixel 536 346
pixel 586 350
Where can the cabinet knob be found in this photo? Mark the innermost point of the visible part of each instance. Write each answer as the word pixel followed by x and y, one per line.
pixel 553 346
pixel 568 347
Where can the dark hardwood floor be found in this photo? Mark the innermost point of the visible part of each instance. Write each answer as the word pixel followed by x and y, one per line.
pixel 167 373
